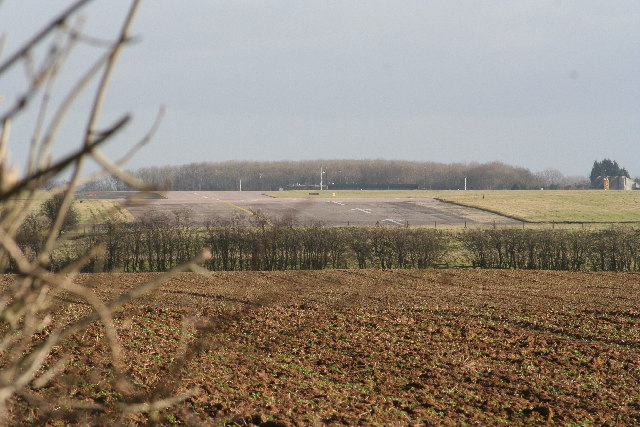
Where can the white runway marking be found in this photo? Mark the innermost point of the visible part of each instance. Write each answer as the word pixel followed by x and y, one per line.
pixel 393 221
pixel 367 211
pixel 337 203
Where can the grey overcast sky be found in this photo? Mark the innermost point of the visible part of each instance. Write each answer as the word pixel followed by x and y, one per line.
pixel 532 83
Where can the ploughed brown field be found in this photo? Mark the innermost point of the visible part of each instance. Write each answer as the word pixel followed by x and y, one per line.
pixel 394 347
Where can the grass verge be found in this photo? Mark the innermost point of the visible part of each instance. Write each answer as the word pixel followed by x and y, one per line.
pixel 575 206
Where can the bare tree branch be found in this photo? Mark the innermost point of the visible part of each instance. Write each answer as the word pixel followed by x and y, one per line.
pixel 44 32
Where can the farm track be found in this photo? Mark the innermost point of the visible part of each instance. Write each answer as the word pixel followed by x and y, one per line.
pixel 391 347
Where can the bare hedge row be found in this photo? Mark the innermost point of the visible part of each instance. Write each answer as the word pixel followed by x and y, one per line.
pixel 162 241
pixel 614 249
pixel 319 247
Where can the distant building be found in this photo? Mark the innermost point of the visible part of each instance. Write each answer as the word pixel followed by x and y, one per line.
pixel 620 183
pixel 614 183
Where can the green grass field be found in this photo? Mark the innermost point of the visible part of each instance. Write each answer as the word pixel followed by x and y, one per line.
pixel 101 211
pixel 589 206
pixel 555 206
pixel 89 211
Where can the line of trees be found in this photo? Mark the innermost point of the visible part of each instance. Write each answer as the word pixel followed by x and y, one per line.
pixel 271 176
pixel 615 249
pixel 161 241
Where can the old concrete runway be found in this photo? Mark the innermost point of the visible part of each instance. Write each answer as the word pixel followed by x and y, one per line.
pixel 225 205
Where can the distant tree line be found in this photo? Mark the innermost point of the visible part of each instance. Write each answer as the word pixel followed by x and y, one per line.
pixel 161 241
pixel 271 176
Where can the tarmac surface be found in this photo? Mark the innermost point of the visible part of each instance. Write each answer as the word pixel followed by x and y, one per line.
pixel 206 206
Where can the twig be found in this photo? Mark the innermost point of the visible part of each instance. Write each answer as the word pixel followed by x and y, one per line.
pixel 38 176
pixel 28 46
